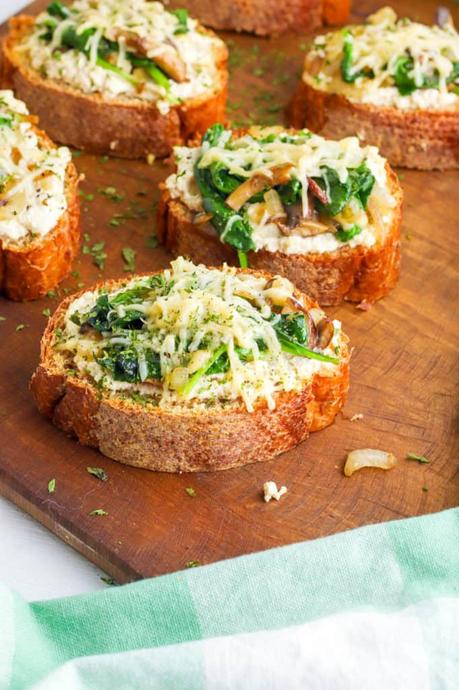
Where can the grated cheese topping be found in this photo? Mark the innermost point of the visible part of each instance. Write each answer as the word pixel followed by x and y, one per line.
pixel 309 155
pixel 392 62
pixel 167 330
pixel 32 176
pixel 139 26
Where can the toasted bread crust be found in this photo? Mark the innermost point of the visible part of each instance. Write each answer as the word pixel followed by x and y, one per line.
pixel 27 272
pixel 173 440
pixel 267 17
pixel 119 128
pixel 354 274
pixel 421 139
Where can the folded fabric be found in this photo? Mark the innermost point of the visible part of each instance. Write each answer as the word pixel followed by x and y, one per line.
pixel 373 608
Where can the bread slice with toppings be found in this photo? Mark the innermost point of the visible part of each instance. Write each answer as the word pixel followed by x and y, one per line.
pixel 393 82
pixel 39 210
pixel 192 368
pixel 267 18
pixel 127 79
pixel 325 214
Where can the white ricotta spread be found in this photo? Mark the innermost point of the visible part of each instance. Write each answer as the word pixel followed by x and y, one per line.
pixel 377 46
pixel 196 313
pixel 247 155
pixel 32 176
pixel 140 20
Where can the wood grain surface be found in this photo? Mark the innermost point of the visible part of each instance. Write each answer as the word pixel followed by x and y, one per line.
pixel 404 380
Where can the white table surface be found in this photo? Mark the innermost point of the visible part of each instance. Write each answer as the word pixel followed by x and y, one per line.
pixel 33 561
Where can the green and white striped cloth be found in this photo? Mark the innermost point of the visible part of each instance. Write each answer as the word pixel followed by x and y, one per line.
pixel 372 609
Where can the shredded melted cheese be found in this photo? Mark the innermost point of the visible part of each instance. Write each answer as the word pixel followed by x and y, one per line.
pixel 143 21
pixel 197 311
pixel 248 155
pixel 377 45
pixel 32 176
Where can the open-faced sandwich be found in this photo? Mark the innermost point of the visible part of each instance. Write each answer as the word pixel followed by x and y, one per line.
pixel 393 82
pixel 39 211
pixel 192 368
pixel 325 214
pixel 267 17
pixel 127 78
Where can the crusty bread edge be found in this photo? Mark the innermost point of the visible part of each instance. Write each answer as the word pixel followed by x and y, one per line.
pixel 29 271
pixel 353 274
pixel 183 440
pixel 420 139
pixel 119 128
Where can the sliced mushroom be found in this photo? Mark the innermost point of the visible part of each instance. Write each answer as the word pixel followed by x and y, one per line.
pixel 165 56
pixel 325 331
pixel 308 228
pixel 317 190
pixel 270 177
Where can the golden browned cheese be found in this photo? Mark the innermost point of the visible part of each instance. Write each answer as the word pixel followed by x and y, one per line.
pixel 88 122
pixel 180 439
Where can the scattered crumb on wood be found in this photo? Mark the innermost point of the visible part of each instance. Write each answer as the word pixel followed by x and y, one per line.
pixel 356 417
pixel 270 491
pixel 364 305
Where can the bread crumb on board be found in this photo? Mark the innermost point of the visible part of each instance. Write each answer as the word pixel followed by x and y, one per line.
pixel 270 491
pixel 356 417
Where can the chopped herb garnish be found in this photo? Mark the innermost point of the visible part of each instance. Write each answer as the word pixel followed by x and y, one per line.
pixel 190 491
pixel 21 326
pixel 46 312
pixel 129 255
pixel 51 486
pixel 2 318
pixel 111 193
pixel 152 242
pixel 108 580
pixel 419 458
pixel 425 488
pixel 98 511
pixel 192 564
pixel 98 472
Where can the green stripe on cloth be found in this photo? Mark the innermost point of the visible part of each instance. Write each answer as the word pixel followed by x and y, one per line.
pixel 383 567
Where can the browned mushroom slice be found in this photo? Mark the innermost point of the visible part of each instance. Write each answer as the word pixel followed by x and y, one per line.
pixel 307 228
pixel 325 331
pixel 165 56
pixel 318 191
pixel 277 174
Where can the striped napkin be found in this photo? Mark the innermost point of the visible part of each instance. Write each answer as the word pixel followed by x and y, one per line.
pixel 375 608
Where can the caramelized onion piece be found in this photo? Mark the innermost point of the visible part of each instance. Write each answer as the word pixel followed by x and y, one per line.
pixel 278 174
pixel 368 457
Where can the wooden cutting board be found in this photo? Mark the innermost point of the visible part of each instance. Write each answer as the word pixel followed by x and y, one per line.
pixel 404 380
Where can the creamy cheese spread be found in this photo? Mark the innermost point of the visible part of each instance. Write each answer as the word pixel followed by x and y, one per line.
pixel 32 176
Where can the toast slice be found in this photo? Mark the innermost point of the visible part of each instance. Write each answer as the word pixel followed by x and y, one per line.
pixel 348 271
pixel 128 124
pixel 219 387
pixel 39 209
pixel 348 87
pixel 267 18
